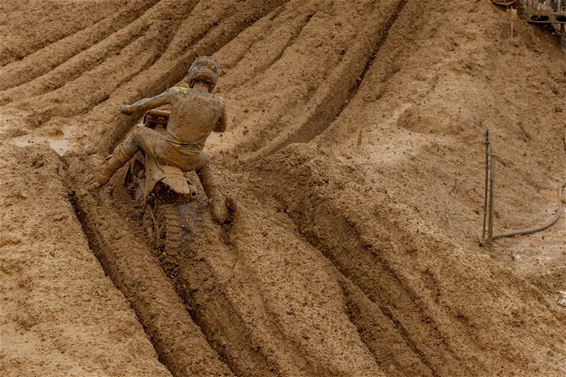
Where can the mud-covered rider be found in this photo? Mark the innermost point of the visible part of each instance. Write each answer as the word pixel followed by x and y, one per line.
pixel 195 113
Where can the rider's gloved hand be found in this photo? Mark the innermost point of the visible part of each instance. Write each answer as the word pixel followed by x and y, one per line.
pixel 126 109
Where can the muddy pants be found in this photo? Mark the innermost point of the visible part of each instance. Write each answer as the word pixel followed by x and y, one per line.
pixel 167 152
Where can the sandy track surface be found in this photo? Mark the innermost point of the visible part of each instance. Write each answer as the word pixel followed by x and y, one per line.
pixel 354 160
pixel 60 314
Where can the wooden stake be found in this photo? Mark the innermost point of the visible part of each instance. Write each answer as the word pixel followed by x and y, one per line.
pixel 487 143
pixel 492 161
pixel 512 17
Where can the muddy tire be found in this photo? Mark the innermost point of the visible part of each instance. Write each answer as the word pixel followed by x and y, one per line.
pixel 162 229
pixel 169 234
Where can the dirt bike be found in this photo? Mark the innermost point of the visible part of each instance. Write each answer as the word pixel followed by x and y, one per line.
pixel 161 190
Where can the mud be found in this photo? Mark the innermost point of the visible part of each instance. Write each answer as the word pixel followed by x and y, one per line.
pixel 133 269
pixel 353 156
pixel 60 314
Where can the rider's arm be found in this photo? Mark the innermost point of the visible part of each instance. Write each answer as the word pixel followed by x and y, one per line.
pixel 221 124
pixel 148 103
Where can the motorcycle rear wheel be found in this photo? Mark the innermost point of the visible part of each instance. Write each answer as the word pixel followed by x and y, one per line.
pixel 163 230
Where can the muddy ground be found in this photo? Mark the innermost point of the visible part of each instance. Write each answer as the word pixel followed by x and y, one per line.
pixel 354 160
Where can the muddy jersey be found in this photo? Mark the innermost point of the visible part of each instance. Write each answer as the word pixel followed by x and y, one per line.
pixel 194 115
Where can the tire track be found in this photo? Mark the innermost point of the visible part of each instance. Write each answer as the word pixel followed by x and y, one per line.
pixel 225 299
pixel 201 288
pixel 165 14
pixel 199 276
pixel 212 282
pixel 319 221
pixel 236 50
pixel 402 266
pixel 67 72
pixel 226 295
pixel 260 66
pixel 381 335
pixel 167 72
pixel 123 67
pixel 79 96
pixel 51 56
pixel 31 36
pixel 179 343
pixel 292 38
pixel 335 93
pixel 383 299
pixel 276 101
pixel 169 68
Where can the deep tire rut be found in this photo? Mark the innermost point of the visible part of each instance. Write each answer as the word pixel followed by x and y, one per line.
pixel 334 94
pixel 50 56
pixel 178 342
pixel 201 282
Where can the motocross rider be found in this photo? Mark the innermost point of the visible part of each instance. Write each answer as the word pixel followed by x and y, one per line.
pixel 195 113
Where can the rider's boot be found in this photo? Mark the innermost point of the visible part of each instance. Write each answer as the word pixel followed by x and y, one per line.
pixel 217 203
pixel 104 172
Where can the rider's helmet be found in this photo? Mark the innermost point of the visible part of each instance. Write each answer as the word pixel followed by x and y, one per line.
pixel 204 68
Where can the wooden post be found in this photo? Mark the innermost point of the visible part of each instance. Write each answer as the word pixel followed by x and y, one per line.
pixel 512 14
pixel 487 143
pixel 492 161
